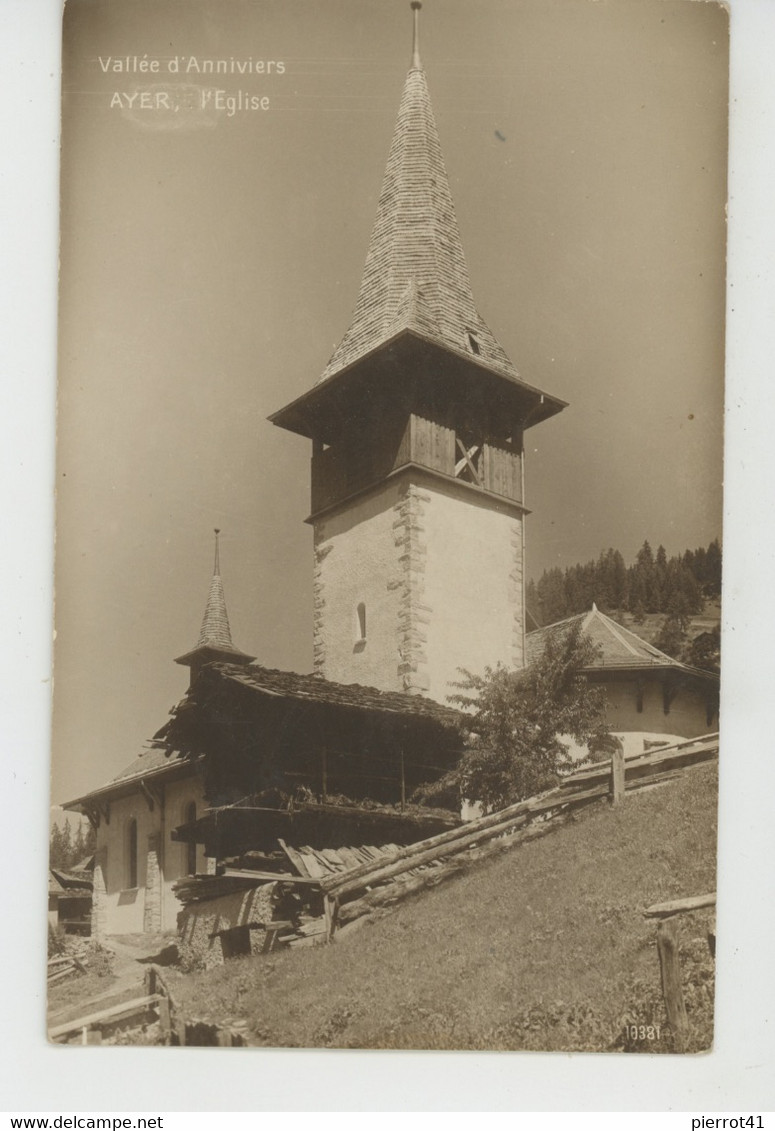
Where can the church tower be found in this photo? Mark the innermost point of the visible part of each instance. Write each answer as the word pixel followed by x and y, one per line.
pixel 417 427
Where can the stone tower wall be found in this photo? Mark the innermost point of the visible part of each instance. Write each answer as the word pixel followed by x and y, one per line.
pixel 438 568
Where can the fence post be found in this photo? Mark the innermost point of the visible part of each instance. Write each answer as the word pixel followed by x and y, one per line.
pixel 617 773
pixel 670 967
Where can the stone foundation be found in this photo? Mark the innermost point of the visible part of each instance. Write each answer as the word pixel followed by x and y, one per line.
pixel 99 907
pixel 152 905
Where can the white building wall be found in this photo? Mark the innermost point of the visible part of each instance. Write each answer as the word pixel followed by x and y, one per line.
pixel 126 908
pixel 438 570
pixel 687 716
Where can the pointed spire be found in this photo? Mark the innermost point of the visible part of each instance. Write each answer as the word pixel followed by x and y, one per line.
pixel 214 643
pixel 415 242
pixel 215 630
pixel 416 64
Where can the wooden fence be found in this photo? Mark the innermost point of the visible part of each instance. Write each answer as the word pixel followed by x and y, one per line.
pixel 349 894
pixel 669 960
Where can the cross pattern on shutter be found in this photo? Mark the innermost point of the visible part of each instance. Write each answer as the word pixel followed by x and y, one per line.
pixel 468 468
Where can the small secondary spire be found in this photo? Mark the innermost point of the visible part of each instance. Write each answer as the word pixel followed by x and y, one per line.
pixel 214 644
pixel 416 64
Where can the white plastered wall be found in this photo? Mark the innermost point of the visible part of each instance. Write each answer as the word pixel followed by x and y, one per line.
pixel 473 585
pixel 438 568
pixel 125 906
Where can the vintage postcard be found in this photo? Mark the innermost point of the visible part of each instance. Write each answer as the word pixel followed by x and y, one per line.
pixel 391 376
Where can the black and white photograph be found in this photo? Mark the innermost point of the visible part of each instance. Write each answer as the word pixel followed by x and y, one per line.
pixel 389 543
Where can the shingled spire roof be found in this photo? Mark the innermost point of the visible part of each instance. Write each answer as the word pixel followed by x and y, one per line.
pixel 214 641
pixel 415 277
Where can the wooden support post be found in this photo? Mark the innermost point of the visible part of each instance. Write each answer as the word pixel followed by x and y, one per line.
pixel 672 991
pixel 403 779
pixel 163 1008
pixel 331 912
pixel 617 774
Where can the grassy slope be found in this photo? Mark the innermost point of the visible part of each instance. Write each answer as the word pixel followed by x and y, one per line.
pixel 543 947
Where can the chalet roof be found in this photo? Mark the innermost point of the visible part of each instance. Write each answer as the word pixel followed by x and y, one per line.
pixel 63 883
pixel 315 689
pixel 151 764
pixel 617 647
pixel 161 760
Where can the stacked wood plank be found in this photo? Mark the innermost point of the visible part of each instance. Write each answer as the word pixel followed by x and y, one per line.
pixel 63 966
pixel 124 1012
pixel 319 863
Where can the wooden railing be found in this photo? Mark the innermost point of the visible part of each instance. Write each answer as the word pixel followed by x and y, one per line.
pixel 347 895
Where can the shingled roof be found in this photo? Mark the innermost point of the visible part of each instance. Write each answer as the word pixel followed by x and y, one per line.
pixel 161 760
pixel 416 276
pixel 616 646
pixel 150 765
pixel 315 689
pixel 215 634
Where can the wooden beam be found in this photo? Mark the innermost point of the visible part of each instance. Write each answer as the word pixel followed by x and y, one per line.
pixel 467 454
pixel 267 877
pixel 295 858
pixel 669 692
pixel 617 774
pixel 331 912
pixel 151 798
pixel 678 906
pixel 639 688
pixel 93 816
pixel 136 1005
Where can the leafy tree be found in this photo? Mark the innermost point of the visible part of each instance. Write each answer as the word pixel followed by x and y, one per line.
pixel 513 745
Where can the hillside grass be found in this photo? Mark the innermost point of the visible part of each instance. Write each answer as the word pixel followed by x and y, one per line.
pixel 544 947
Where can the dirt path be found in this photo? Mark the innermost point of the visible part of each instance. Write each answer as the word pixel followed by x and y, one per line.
pixel 130 963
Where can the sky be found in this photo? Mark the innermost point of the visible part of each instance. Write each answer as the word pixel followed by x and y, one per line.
pixel 209 269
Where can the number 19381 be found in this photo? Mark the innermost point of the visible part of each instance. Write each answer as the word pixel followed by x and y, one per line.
pixel 643 1032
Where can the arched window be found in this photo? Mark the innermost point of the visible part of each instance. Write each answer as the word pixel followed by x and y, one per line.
pixel 191 846
pixel 360 622
pixel 131 853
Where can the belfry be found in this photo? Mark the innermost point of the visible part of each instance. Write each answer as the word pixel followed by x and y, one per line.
pixel 417 426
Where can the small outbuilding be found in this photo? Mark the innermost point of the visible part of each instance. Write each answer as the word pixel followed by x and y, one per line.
pixel 650 696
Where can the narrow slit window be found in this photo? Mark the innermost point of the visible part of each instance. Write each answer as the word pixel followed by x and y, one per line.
pixel 131 853
pixel 361 621
pixel 473 342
